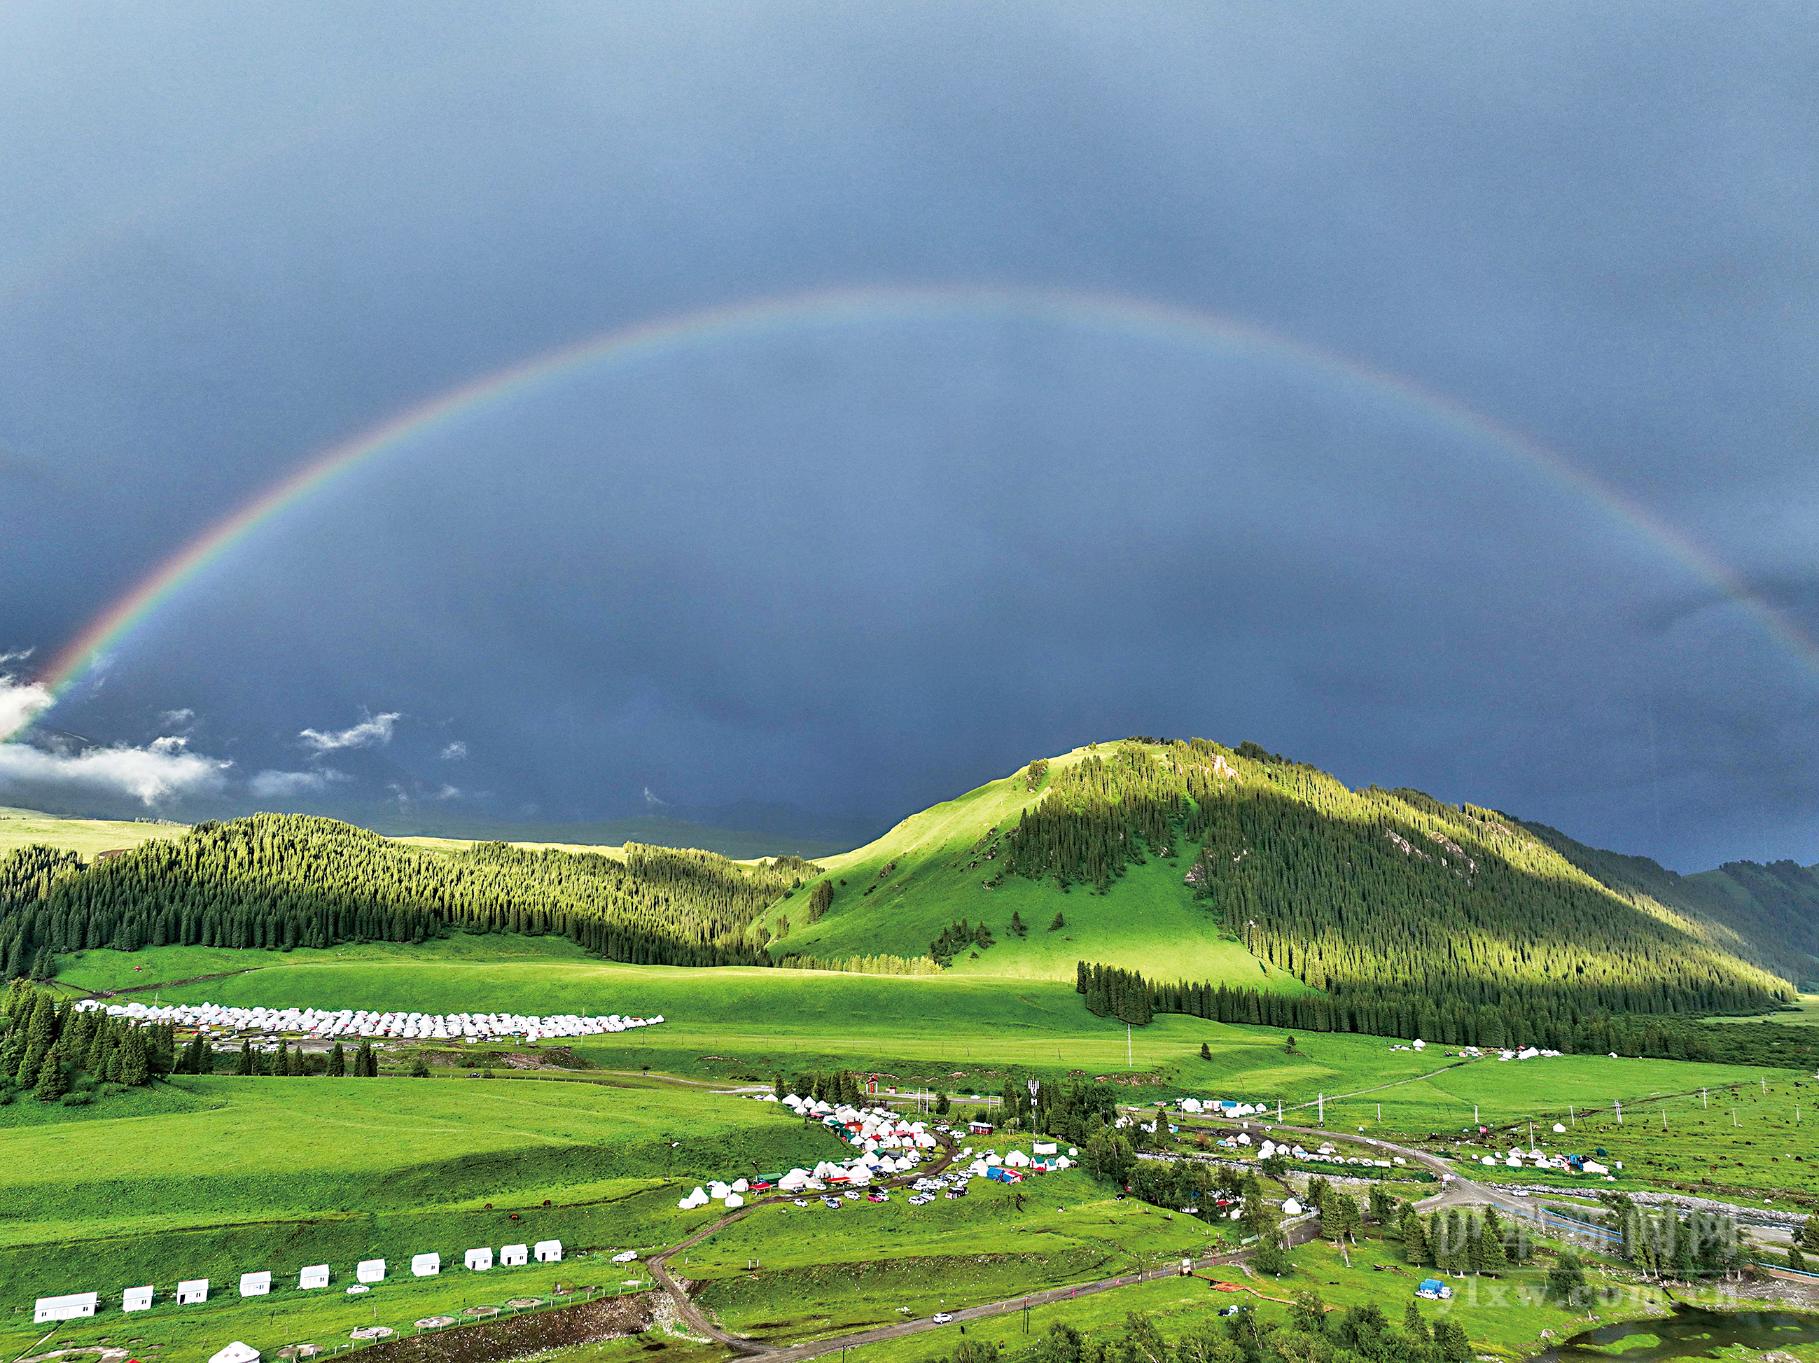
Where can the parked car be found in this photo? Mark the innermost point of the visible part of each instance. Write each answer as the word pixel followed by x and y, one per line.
pixel 941 1318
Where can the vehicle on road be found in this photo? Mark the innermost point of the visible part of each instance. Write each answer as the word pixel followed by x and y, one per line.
pixel 941 1318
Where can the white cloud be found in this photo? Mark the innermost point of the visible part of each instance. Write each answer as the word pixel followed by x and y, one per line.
pixel 17 655
pixel 148 775
pixel 449 792
pixel 20 703
pixel 373 732
pixel 454 752
pixel 654 800
pixel 177 719
pixel 288 785
pixel 169 743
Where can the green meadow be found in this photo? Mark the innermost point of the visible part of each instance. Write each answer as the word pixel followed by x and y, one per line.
pixel 212 1177
pixel 24 827
pixel 957 1031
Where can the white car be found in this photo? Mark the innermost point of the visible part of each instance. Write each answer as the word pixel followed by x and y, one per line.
pixel 801 1202
pixel 941 1318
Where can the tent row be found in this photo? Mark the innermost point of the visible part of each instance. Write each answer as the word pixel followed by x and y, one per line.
pixel 329 1025
pixel 190 1291
pixel 1518 1158
pixel 1222 1107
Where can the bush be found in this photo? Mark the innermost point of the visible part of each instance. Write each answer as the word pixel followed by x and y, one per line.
pixel 78 1098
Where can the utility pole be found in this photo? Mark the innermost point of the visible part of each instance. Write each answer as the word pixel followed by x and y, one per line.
pixel 1618 1104
pixel 1127 1046
pixel 1323 1109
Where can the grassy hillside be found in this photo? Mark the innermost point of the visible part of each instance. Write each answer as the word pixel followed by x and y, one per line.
pixel 895 894
pixel 1768 914
pixel 86 837
pixel 1189 860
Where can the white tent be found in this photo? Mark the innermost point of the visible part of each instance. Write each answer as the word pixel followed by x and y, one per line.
pixel 370 1271
pixel 316 1275
pixel 548 1251
pixel 1291 1206
pixel 67 1307
pixel 192 1290
pixel 479 1260
pixel 425 1265
pixel 255 1284
pixel 136 1299
pixel 514 1256
pixel 734 1200
pixel 236 1352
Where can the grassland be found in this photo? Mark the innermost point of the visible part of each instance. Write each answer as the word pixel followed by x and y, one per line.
pixel 792 1273
pixel 211 1177
pixel 896 893
pixel 23 827
pixel 956 1031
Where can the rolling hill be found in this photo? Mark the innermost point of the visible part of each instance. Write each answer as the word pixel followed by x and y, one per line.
pixel 1190 860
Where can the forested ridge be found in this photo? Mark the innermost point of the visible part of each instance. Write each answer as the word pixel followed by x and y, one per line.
pixel 1765 912
pixel 278 881
pixel 1395 905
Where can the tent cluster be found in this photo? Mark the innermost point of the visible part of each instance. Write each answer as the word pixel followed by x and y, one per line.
pixel 471 1028
pixel 1518 1158
pixel 1222 1107
pixel 1043 1157
pixel 259 1284
pixel 889 1144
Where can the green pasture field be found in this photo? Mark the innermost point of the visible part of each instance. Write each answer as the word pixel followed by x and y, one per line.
pixel 189 1334
pixel 960 1032
pixel 920 878
pixel 216 1176
pixel 24 827
pixel 1503 1318
pixel 793 1273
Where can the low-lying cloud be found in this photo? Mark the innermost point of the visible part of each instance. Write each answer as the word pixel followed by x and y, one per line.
pixel 373 732
pixel 151 775
pixel 290 785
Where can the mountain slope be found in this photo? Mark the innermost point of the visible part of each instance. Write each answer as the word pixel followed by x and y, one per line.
pixel 1768 914
pixel 1234 866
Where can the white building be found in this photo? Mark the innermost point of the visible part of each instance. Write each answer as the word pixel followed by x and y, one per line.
pixel 237 1352
pixel 370 1271
pixel 316 1275
pixel 68 1307
pixel 192 1290
pixel 255 1284
pixel 425 1265
pixel 548 1251
pixel 480 1259
pixel 136 1299
pixel 514 1256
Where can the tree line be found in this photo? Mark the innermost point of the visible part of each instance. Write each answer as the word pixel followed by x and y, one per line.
pixel 57 1052
pixel 282 881
pixel 1554 1019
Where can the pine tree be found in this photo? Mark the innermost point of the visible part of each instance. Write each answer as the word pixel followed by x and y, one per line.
pixel 247 1064
pixel 1809 1234
pixel 52 1082
pixel 135 1063
pixel 337 1061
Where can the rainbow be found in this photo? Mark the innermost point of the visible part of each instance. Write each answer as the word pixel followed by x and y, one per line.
pixel 1104 312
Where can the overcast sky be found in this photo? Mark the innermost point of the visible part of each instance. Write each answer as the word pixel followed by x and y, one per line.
pixel 858 560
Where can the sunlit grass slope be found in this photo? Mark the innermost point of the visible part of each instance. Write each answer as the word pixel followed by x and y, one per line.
pixel 894 895
pixel 86 837
pixel 212 1177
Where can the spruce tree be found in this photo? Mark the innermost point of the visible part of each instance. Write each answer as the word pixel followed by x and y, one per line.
pixel 337 1061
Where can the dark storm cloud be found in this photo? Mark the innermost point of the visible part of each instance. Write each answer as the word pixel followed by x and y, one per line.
pixel 859 567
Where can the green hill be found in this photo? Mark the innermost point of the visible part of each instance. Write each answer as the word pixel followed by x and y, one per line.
pixel 1236 867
